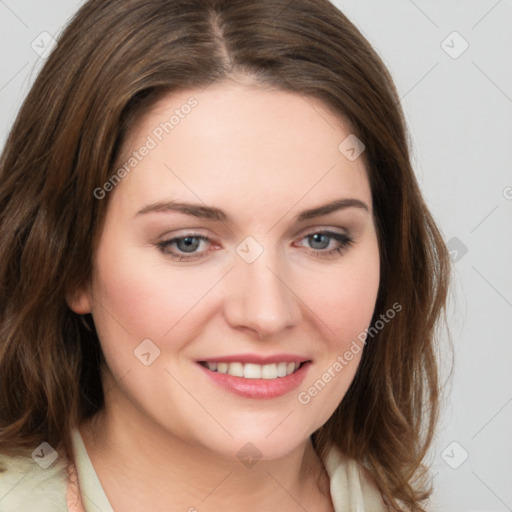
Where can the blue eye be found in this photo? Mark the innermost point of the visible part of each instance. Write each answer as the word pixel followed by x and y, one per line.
pixel 321 240
pixel 186 244
pixel 185 248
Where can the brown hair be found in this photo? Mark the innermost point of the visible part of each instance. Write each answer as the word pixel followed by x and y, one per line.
pixel 111 62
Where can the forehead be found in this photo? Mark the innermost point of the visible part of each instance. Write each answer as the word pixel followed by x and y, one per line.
pixel 251 146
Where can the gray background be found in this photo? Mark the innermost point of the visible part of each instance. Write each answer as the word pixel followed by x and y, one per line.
pixel 459 108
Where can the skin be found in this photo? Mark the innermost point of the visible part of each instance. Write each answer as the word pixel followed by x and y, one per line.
pixel 168 433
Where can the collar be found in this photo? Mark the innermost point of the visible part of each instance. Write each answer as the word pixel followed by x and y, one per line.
pixel 92 493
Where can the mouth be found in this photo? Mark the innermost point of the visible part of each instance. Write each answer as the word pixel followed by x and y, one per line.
pixel 263 380
pixel 254 371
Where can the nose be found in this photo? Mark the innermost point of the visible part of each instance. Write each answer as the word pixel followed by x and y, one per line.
pixel 261 297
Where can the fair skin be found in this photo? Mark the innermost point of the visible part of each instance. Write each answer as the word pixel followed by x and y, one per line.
pixel 169 436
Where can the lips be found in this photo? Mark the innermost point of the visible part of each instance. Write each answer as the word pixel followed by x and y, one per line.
pixel 252 370
pixel 254 376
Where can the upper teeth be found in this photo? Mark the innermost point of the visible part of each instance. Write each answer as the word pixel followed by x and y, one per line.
pixel 254 371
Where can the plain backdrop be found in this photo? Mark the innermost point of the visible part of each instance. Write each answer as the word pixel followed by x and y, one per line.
pixel 451 62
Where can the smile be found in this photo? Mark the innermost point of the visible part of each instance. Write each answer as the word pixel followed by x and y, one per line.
pixel 254 380
pixel 254 371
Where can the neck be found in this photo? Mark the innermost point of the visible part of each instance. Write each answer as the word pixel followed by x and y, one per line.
pixel 160 469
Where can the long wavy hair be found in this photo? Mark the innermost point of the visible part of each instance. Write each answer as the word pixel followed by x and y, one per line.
pixel 114 59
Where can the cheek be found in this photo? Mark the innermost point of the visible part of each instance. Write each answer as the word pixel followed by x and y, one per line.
pixel 348 305
pixel 345 309
pixel 138 298
pixel 142 296
pixel 344 298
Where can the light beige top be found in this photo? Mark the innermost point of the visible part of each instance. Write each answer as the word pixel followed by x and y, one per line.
pixel 27 487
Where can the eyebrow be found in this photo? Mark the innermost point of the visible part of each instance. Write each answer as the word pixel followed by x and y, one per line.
pixel 216 214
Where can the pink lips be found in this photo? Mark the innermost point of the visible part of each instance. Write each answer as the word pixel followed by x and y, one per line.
pixel 258 388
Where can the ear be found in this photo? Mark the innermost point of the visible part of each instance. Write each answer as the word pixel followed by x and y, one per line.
pixel 80 301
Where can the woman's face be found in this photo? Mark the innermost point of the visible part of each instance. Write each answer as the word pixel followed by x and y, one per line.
pixel 213 251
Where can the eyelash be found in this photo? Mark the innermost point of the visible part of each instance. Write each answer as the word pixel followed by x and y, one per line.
pixel 345 242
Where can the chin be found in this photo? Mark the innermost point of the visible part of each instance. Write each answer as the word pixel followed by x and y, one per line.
pixel 261 442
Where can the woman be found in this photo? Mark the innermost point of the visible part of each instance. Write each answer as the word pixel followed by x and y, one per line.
pixel 219 280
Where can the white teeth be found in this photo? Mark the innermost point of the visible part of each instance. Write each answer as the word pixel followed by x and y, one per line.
pixel 281 369
pixel 252 371
pixel 269 371
pixel 236 369
pixel 222 367
pixel 255 371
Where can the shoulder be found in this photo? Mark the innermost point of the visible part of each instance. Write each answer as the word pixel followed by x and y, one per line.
pixel 24 485
pixel 352 485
